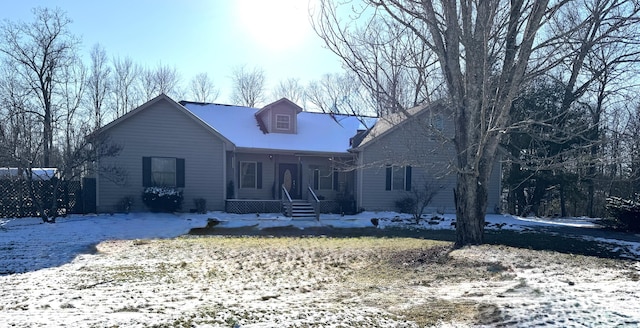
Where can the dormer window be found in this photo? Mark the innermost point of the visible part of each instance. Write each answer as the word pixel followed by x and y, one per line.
pixel 283 122
pixel 279 117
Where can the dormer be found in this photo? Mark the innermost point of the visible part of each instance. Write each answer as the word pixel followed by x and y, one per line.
pixel 279 117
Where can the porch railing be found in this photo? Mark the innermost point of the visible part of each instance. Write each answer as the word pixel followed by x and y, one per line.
pixel 287 202
pixel 313 199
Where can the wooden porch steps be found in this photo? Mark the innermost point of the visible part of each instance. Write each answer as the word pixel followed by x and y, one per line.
pixel 302 209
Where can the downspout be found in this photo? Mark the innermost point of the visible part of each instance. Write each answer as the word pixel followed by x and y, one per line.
pixel 224 173
pixel 359 174
pixel 97 172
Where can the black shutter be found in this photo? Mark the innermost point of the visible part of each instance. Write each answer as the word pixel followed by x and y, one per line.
pixel 336 183
pixel 146 171
pixel 259 175
pixel 180 172
pixel 316 179
pixel 407 178
pixel 388 184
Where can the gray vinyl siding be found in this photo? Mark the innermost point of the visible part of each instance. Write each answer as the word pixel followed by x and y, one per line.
pixel 426 151
pixel 162 130
pixel 268 167
pixel 286 111
pixel 375 197
pixel 432 158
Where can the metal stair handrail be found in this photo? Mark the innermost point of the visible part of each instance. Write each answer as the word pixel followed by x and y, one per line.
pixel 288 202
pixel 315 202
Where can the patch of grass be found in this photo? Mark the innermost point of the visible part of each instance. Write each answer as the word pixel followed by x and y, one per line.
pixel 393 273
pixel 528 240
pixel 552 242
pixel 440 311
pixel 127 309
pixel 497 268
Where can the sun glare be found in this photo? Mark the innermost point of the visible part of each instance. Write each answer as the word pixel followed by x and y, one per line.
pixel 277 25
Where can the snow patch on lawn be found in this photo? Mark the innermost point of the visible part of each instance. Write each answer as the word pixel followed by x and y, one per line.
pixel 49 274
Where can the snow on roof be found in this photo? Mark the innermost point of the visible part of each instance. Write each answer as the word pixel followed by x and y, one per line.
pixel 317 132
pixel 388 123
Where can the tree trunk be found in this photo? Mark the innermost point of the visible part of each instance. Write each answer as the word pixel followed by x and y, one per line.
pixel 563 201
pixel 471 204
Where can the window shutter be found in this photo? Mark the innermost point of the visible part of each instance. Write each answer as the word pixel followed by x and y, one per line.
pixel 180 173
pixel 259 175
pixel 316 179
pixel 388 182
pixel 407 178
pixel 336 184
pixel 146 171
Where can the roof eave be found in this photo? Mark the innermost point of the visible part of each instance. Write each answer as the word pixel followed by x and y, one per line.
pixel 291 151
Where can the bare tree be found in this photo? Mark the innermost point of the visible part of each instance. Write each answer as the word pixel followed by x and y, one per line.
pixel 483 51
pixel 125 94
pixel 20 140
pixel 593 62
pixel 162 79
pixel 203 89
pixel 390 61
pixel 290 89
pixel 38 51
pixel 98 83
pixel 340 94
pixel 248 86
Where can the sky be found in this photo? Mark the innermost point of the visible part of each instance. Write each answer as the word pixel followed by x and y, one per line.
pixel 212 36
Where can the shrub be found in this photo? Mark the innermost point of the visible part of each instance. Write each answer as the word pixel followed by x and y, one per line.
pixel 406 205
pixel 417 200
pixel 160 199
pixel 346 204
pixel 625 212
pixel 201 205
pixel 124 205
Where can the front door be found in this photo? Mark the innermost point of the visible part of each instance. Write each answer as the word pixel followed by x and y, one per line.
pixel 289 179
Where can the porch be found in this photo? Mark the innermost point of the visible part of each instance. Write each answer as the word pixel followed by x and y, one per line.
pixel 296 185
pixel 247 206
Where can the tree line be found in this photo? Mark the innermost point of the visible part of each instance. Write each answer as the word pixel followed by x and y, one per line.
pixel 51 99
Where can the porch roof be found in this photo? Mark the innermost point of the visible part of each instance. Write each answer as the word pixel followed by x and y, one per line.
pixel 317 132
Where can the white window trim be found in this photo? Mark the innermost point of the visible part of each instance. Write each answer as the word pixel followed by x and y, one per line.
pixel 330 177
pixel 403 171
pixel 175 172
pixel 255 175
pixel 288 122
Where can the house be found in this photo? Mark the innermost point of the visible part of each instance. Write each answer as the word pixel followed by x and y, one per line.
pixel 411 154
pixel 248 160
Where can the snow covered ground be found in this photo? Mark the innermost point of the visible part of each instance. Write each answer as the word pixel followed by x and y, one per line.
pixel 44 274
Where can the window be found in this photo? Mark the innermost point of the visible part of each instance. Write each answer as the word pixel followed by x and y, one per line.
pixel 250 175
pixel 398 178
pixel 323 178
pixel 283 122
pixel 437 125
pixel 437 122
pixel 163 172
